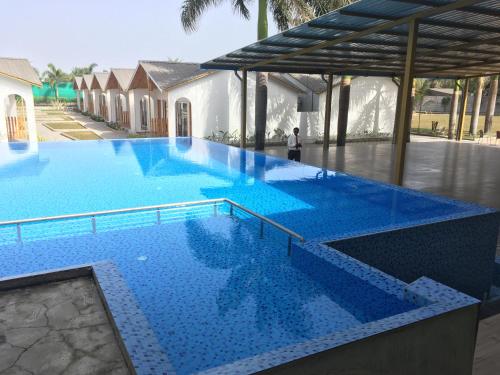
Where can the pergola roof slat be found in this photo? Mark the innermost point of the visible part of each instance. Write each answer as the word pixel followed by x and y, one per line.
pixel 367 37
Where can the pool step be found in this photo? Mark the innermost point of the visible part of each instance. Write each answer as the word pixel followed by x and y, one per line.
pixel 82 226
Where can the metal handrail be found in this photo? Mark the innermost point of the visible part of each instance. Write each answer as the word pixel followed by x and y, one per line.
pixel 93 215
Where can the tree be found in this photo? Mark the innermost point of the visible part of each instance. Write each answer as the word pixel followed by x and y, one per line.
pixel 492 101
pixel 453 111
pixel 476 106
pixel 80 71
pixel 422 87
pixel 285 14
pixel 54 76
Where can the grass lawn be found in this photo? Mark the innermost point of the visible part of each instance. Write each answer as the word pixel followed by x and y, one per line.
pixel 55 118
pixel 64 125
pixel 54 113
pixel 443 120
pixel 82 135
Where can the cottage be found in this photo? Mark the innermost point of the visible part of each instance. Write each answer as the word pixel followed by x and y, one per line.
pixel 98 95
pixel 117 96
pixel 77 86
pixel 88 103
pixel 17 109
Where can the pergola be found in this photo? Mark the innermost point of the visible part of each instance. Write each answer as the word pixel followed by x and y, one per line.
pixel 396 38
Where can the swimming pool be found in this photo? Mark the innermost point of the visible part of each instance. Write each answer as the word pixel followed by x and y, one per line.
pixel 212 290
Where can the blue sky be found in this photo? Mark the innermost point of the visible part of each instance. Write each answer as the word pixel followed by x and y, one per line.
pixel 116 33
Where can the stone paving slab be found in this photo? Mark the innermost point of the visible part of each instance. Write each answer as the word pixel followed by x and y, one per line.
pixel 57 328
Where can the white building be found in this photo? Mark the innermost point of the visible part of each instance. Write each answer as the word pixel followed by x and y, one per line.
pixel 17 109
pixel 117 96
pixel 98 95
pixel 88 103
pixel 179 99
pixel 77 86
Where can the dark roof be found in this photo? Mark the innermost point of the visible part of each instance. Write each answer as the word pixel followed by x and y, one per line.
pixel 456 38
pixel 169 74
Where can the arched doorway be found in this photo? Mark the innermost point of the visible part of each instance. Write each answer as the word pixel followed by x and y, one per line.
pixel 144 112
pixel 16 118
pixel 103 107
pixel 183 123
pixel 121 109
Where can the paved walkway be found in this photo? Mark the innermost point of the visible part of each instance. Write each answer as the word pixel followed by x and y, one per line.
pixel 99 128
pixel 57 328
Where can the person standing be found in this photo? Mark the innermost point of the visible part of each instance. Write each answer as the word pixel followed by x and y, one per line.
pixel 294 145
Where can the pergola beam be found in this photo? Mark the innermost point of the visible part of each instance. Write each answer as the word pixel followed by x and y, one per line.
pixel 470 9
pixel 441 23
pixel 324 25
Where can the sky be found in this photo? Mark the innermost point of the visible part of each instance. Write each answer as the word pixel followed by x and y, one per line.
pixel 116 34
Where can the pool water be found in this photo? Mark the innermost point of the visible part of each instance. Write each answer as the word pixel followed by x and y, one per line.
pixel 212 290
pixel 67 177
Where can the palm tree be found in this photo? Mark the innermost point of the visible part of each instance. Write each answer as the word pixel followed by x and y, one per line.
pixel 476 106
pixel 285 14
pixel 80 71
pixel 492 101
pixel 422 87
pixel 54 76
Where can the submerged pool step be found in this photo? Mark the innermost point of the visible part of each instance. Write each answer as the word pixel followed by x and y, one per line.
pixel 102 223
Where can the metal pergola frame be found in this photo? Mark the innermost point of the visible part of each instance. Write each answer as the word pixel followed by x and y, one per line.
pixel 455 39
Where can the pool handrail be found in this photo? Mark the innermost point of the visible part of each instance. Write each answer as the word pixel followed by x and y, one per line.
pixel 93 215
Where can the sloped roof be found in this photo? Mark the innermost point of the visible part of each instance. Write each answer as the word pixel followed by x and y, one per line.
pixel 19 69
pixel 314 82
pixel 87 81
pixel 437 91
pixel 99 81
pixel 122 77
pixel 169 74
pixel 77 83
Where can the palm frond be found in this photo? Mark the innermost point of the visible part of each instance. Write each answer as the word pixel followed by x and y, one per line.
pixel 192 10
pixel 240 6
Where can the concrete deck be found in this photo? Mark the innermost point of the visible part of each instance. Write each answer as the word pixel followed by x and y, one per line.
pixel 466 171
pixel 57 328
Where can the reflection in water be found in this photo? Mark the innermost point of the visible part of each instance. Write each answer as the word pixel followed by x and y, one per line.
pixel 21 159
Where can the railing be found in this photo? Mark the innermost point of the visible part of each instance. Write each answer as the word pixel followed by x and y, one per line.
pixel 157 208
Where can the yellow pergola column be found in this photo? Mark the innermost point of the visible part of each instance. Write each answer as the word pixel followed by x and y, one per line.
pixel 406 87
pixel 463 109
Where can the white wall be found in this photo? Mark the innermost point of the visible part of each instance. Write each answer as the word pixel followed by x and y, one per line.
pixel 215 105
pixel 372 107
pixel 110 103
pixel 10 86
pixel 95 99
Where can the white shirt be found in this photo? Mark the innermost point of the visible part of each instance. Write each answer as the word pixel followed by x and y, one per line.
pixel 293 140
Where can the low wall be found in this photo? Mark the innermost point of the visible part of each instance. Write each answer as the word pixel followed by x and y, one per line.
pixel 459 253
pixel 442 345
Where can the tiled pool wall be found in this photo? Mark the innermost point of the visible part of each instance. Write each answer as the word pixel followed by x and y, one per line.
pixel 441 329
pixel 459 253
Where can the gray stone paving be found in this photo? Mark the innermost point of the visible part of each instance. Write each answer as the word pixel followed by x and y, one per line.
pixel 57 328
